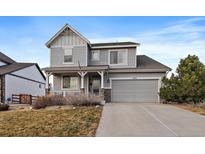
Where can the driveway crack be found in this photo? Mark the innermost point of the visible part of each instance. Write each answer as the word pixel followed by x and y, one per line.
pixel 158 120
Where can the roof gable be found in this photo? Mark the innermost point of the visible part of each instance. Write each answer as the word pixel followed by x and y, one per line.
pixel 6 59
pixel 64 29
pixel 145 62
pixel 18 66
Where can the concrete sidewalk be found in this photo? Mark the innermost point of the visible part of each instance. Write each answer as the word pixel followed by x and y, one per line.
pixel 149 119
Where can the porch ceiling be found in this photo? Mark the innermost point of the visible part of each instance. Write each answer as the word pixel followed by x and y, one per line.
pixel 76 69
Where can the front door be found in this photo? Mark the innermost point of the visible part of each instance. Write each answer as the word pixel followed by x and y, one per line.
pixel 94 85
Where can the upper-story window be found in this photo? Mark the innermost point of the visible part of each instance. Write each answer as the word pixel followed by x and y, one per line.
pixel 95 55
pixel 118 57
pixel 68 55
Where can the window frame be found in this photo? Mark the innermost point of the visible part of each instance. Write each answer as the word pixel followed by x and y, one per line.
pixel 64 54
pixel 118 50
pixel 97 51
pixel 70 76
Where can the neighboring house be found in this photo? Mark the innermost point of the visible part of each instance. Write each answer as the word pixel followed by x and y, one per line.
pixel 19 78
pixel 111 69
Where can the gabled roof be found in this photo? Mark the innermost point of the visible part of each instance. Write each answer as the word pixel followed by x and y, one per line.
pixel 6 69
pixel 113 44
pixel 6 59
pixel 145 62
pixel 61 30
pixel 13 67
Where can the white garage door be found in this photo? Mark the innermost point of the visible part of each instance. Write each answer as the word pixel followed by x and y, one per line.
pixel 135 90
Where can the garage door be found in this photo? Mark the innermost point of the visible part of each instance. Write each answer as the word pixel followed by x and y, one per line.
pixel 135 90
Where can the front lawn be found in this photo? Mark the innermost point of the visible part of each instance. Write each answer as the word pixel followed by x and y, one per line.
pixel 200 109
pixel 82 121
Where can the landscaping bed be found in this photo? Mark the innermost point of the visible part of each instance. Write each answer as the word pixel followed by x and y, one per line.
pixel 197 108
pixel 80 121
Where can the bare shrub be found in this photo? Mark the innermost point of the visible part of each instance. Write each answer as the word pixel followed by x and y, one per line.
pixel 74 99
pixel 83 100
pixel 49 100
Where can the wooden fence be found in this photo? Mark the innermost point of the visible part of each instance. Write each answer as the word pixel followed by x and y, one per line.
pixel 23 99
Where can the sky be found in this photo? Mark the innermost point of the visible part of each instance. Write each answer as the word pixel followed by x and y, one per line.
pixel 166 39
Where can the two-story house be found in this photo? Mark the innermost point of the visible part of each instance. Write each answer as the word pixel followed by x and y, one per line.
pixel 111 69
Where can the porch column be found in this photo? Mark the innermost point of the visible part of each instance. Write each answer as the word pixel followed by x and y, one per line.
pixel 101 73
pixel 82 74
pixel 47 83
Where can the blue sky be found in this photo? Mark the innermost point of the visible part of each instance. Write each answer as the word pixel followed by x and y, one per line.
pixel 166 39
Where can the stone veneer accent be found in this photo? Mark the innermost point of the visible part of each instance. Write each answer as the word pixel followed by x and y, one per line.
pixel 2 89
pixel 107 95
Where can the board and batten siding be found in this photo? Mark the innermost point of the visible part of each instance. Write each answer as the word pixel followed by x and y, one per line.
pixel 67 38
pixel 104 58
pixel 20 85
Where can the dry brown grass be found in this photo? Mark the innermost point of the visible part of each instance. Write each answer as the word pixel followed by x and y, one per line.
pixel 82 121
pixel 194 108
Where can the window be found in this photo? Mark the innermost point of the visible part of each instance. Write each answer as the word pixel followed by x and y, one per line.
pixel 118 57
pixel 68 55
pixel 95 55
pixel 70 82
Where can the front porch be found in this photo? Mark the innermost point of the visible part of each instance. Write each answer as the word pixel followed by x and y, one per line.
pixel 88 81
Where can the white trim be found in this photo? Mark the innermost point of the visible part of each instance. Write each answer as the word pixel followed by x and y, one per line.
pixel 66 63
pixel 61 30
pixel 140 78
pixel 86 59
pixel 87 84
pixel 114 46
pixel 64 50
pixel 67 46
pixel 120 64
pixel 67 89
pixel 82 74
pixel 136 57
pixel 101 73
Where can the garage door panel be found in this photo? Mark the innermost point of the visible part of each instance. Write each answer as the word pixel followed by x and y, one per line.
pixel 135 90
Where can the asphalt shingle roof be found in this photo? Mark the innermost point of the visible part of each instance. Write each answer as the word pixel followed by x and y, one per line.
pixel 113 44
pixel 14 67
pixel 145 62
pixel 6 59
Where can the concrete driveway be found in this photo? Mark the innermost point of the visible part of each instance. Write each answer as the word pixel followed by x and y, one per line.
pixel 149 119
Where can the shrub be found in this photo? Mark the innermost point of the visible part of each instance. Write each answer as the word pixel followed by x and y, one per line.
pixel 188 85
pixel 4 107
pixel 74 99
pixel 49 100
pixel 83 100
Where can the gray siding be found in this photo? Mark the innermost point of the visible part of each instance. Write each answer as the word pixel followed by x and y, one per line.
pixel 104 58
pixel 57 82
pixel 79 54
